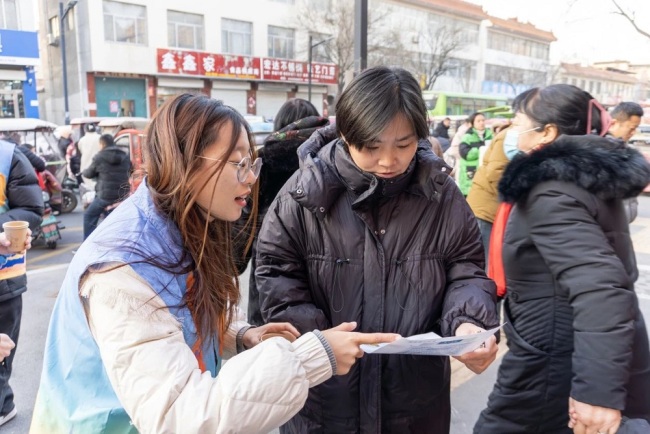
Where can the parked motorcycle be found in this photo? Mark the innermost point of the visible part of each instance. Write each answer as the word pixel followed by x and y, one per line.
pixel 50 229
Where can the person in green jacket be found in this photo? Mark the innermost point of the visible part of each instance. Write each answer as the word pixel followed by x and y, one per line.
pixel 469 151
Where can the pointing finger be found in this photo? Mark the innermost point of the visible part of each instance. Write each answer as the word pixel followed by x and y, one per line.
pixel 375 338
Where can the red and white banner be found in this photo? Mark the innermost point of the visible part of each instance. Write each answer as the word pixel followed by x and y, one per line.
pixel 181 62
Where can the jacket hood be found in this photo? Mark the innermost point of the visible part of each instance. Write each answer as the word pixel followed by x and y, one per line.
pixel 327 170
pixel 280 157
pixel 605 167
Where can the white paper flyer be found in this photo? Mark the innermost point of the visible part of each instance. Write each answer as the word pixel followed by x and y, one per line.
pixel 430 344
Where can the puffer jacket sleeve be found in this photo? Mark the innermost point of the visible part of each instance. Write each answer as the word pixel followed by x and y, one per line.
pixel 24 195
pixel 470 295
pixel 582 261
pixel 157 379
pixel 281 273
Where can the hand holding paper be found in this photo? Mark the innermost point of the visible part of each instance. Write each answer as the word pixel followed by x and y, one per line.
pixel 430 344
pixel 480 358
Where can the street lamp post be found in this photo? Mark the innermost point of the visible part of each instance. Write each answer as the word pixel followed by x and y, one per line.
pixel 63 12
pixel 311 48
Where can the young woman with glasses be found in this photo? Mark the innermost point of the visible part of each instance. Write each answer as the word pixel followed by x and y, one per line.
pixel 148 308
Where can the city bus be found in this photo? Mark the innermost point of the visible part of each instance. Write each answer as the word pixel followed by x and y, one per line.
pixel 441 103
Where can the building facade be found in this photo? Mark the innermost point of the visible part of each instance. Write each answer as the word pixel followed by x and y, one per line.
pixel 493 56
pixel 610 85
pixel 18 59
pixel 127 58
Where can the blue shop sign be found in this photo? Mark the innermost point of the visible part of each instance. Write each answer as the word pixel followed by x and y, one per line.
pixel 18 48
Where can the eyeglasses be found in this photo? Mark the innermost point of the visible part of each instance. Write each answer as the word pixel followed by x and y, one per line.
pixel 243 167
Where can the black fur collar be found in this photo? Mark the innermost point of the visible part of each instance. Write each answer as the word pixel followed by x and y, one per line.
pixel 603 166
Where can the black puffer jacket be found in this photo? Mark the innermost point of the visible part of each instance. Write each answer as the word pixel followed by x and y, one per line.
pixel 401 255
pixel 280 160
pixel 25 200
pixel 111 168
pixel 574 327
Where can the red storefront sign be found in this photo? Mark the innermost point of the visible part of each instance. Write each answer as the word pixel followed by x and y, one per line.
pixel 183 62
pixel 291 70
pixel 225 66
pixel 207 64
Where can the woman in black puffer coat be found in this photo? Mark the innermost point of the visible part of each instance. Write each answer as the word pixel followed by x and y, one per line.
pixel 578 342
pixel 295 122
pixel 372 229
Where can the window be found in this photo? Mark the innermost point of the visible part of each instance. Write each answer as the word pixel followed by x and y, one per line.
pixel 53 26
pixel 236 37
pixel 522 47
pixel 281 42
pixel 184 30
pixel 8 15
pixel 125 22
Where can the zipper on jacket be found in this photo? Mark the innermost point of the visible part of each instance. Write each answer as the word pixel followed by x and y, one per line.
pixel 337 284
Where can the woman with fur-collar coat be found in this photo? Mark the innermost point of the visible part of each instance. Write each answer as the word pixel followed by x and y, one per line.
pixel 578 343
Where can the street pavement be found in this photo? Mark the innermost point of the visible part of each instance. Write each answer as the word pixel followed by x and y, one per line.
pixel 47 268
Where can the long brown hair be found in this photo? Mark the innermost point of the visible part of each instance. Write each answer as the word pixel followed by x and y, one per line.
pixel 179 132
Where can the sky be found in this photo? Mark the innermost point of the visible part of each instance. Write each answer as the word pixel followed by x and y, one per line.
pixel 587 30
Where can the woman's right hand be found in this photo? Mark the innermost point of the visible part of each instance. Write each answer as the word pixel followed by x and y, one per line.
pixel 346 344
pixel 6 345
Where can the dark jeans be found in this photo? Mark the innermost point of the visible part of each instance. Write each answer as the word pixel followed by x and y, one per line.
pixel 10 314
pixel 486 231
pixel 92 215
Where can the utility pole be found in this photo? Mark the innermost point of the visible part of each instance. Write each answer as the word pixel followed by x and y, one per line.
pixel 360 35
pixel 63 12
pixel 311 48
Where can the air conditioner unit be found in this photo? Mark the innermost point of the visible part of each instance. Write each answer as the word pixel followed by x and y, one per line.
pixel 52 40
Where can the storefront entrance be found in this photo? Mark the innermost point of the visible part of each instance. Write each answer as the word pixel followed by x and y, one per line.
pixel 11 104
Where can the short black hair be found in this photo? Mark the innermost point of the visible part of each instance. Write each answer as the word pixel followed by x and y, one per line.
pixel 293 110
pixel 90 128
pixel 626 110
pixel 373 99
pixel 106 140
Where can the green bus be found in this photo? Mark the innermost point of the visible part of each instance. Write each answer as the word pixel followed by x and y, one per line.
pixel 441 103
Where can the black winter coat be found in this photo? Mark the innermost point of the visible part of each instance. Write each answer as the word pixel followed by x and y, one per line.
pixel 574 327
pixel 25 200
pixel 402 255
pixel 280 160
pixel 37 162
pixel 111 167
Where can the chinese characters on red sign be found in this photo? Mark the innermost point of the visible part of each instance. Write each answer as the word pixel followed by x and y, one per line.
pixel 242 67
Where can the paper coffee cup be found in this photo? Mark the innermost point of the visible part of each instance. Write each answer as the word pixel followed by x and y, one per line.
pixel 16 232
pixel 286 335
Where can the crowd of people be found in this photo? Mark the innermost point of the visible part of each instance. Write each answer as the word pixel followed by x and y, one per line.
pixel 356 232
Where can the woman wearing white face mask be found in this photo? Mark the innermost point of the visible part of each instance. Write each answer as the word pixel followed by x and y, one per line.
pixel 579 357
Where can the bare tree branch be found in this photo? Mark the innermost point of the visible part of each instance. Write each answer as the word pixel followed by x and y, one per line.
pixel 630 18
pixel 337 19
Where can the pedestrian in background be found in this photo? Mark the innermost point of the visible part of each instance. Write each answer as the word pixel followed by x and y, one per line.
pixel 483 197
pixel 372 229
pixel 110 167
pixel 88 147
pixel 148 307
pixel 561 246
pixel 295 122
pixel 20 199
pixel 452 157
pixel 6 343
pixel 626 118
pixel 469 150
